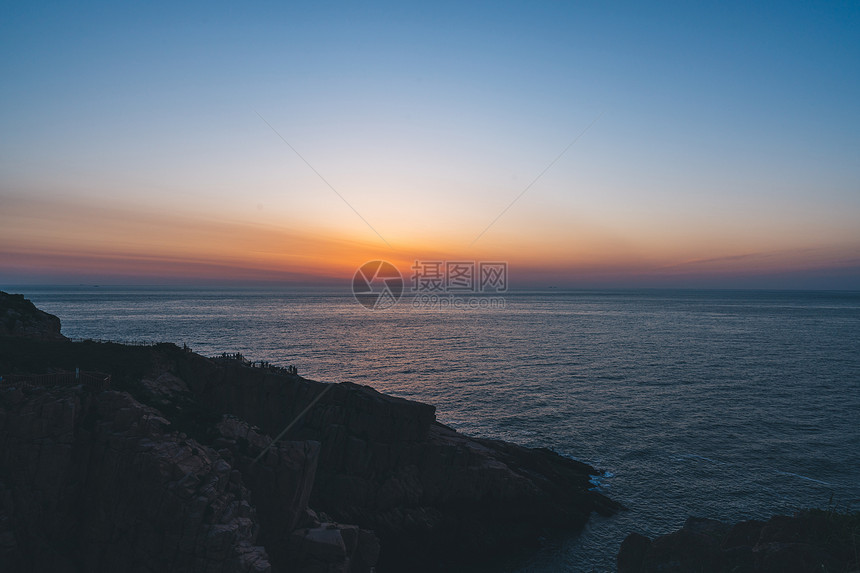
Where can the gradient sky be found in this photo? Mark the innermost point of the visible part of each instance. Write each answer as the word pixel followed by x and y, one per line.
pixel 723 147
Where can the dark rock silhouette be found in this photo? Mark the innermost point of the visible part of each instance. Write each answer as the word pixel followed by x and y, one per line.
pixel 20 317
pixel 811 540
pixel 432 495
pixel 174 469
pixel 95 482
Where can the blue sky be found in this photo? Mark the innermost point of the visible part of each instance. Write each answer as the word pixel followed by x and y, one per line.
pixel 723 130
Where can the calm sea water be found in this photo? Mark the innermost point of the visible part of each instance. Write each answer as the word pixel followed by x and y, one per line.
pixel 728 405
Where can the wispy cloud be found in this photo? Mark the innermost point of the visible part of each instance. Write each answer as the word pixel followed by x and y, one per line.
pixel 811 257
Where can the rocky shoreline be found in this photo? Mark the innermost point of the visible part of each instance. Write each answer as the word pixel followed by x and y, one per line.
pixel 167 463
pixel 809 541
pixel 160 471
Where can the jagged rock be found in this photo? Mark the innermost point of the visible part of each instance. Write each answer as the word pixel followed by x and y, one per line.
pixel 333 548
pixel 433 496
pixel 20 317
pixel 811 540
pixel 166 385
pixel 281 482
pixel 92 482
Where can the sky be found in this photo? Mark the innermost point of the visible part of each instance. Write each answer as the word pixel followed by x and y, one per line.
pixel 586 144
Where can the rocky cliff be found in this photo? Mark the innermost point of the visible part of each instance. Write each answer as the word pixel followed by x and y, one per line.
pixel 175 469
pixel 19 317
pixel 96 482
pixel 811 540
pixel 433 495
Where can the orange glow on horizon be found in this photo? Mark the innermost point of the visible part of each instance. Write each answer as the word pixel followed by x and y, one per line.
pixel 87 240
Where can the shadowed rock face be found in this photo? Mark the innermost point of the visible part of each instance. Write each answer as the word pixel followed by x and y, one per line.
pixel 281 481
pixel 811 540
pixel 433 496
pixel 420 495
pixel 20 317
pixel 93 482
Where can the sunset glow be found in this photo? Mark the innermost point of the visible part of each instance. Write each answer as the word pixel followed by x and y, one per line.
pixel 290 145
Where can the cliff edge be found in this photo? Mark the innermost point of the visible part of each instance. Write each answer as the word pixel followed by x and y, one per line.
pixel 20 317
pixel 173 468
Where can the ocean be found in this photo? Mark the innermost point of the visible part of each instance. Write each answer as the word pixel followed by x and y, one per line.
pixel 723 404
